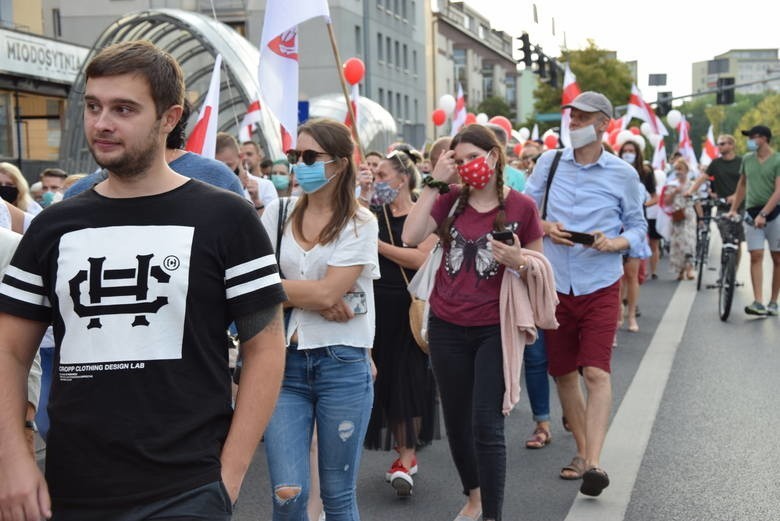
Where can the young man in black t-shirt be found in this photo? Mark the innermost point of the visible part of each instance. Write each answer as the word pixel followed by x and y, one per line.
pixel 140 277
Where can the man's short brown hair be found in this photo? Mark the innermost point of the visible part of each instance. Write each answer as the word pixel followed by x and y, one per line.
pixel 53 172
pixel 225 140
pixel 160 69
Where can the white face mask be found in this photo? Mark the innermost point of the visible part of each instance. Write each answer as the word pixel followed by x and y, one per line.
pixel 582 136
pixel 629 157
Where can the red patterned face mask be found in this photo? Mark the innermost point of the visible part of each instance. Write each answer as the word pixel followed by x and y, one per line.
pixel 476 173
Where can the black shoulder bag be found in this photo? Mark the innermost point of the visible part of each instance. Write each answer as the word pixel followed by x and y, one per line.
pixel 550 176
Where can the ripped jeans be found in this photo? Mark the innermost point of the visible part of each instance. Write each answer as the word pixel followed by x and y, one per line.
pixel 333 386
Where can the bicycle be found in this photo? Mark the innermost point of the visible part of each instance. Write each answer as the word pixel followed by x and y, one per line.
pixel 727 281
pixel 703 236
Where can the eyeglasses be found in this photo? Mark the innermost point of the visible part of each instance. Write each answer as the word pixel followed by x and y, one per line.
pixel 309 157
pixel 723 143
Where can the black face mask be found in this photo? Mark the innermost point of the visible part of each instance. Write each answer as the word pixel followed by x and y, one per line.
pixel 9 193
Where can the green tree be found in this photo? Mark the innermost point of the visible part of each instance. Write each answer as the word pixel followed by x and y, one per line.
pixel 766 112
pixel 495 106
pixel 596 69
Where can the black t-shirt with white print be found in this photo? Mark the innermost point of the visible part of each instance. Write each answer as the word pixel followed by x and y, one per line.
pixel 140 292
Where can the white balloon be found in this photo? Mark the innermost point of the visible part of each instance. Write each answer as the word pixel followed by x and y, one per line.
pixel 482 118
pixel 524 133
pixel 447 103
pixel 623 136
pixel 673 117
pixel 646 129
pixel 655 139
pixel 639 140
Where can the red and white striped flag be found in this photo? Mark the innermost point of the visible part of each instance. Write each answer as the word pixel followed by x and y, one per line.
pixel 253 117
pixel 640 109
pixel 570 91
pixel 278 71
pixel 459 116
pixel 354 99
pixel 685 146
pixel 659 155
pixel 709 150
pixel 203 138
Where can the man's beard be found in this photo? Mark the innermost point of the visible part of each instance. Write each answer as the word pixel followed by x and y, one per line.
pixel 135 160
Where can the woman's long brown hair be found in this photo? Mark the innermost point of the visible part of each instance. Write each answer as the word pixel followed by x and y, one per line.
pixel 485 139
pixel 336 140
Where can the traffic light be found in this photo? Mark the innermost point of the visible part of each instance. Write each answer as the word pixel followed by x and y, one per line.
pixel 664 103
pixel 553 73
pixel 541 63
pixel 526 49
pixel 725 94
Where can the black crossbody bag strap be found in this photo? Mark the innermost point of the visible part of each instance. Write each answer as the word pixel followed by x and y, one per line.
pixel 284 202
pixel 550 176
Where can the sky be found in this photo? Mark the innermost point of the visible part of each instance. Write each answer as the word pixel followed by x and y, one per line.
pixel 664 36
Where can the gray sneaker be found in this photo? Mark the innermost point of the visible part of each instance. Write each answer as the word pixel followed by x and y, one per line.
pixel 756 308
pixel 771 309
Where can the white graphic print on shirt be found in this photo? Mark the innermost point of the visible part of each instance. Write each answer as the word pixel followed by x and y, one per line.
pixel 125 302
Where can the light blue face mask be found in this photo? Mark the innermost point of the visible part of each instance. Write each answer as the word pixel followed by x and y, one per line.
pixel 280 181
pixel 312 177
pixel 752 145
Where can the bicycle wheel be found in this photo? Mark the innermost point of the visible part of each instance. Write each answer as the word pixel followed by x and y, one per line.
pixel 702 260
pixel 727 285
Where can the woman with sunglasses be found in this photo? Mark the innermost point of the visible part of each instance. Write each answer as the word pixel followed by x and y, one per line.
pixel 403 391
pixel 328 259
pixel 464 330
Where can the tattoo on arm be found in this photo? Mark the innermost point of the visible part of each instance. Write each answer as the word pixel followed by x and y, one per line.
pixel 264 319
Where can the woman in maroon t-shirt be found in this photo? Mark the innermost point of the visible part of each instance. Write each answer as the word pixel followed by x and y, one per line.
pixel 464 331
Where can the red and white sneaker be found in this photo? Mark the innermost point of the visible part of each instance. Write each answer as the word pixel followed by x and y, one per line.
pixel 401 479
pixel 397 465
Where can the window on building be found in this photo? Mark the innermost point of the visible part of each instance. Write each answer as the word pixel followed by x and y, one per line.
pixel 511 90
pixel 404 9
pixel 397 8
pixel 358 41
pixel 397 54
pixel 414 62
pixel 381 96
pixel 416 110
pixel 56 23
pixel 482 31
pixel 459 62
pixel 389 50
pixel 380 4
pixel 237 26
pixel 380 53
pixel 406 107
pixel 406 58
pixel 389 101
pixel 413 17
pixel 398 104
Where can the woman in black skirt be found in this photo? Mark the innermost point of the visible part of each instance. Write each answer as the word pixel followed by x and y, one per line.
pixel 404 388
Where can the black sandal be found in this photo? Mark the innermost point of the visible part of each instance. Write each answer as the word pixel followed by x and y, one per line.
pixel 594 480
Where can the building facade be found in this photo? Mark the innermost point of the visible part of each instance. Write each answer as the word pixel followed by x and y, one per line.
pixel 757 70
pixel 35 78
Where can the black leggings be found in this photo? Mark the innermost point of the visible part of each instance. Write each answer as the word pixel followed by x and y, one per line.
pixel 468 366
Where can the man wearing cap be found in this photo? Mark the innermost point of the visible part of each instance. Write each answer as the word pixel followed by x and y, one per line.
pixel 759 186
pixel 593 192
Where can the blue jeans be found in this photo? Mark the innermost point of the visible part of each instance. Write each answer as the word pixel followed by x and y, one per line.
pixel 42 413
pixel 468 365
pixel 331 386
pixel 536 380
pixel 209 502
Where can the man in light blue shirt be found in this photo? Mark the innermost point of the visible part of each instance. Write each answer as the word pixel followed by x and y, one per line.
pixel 595 193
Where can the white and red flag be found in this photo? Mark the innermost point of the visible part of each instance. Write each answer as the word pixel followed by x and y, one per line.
pixel 685 146
pixel 709 150
pixel 252 117
pixel 459 116
pixel 278 71
pixel 659 155
pixel 640 109
pixel 570 91
pixel 354 100
pixel 203 138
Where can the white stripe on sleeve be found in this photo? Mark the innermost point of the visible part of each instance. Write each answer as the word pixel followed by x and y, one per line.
pixel 24 296
pixel 24 276
pixel 250 266
pixel 253 285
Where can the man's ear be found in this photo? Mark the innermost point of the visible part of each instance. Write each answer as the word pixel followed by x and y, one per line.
pixel 170 118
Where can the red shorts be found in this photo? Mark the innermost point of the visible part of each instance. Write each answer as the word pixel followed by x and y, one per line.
pixel 586 331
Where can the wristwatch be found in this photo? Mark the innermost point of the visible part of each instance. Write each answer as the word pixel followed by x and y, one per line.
pixel 762 213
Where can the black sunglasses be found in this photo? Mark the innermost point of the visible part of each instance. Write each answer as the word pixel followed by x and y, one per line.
pixel 723 143
pixel 309 157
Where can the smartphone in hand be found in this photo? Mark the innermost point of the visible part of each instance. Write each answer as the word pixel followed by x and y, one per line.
pixel 581 238
pixel 356 300
pixel 504 236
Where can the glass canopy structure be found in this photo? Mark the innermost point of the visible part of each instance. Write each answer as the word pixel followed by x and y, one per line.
pixel 195 40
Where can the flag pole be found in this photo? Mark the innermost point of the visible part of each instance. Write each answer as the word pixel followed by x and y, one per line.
pixel 350 110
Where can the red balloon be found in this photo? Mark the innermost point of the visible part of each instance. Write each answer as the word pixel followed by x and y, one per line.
pixel 504 123
pixel 471 118
pixel 439 117
pixel 551 141
pixel 634 130
pixel 614 124
pixel 354 70
pixel 613 134
pixel 518 149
